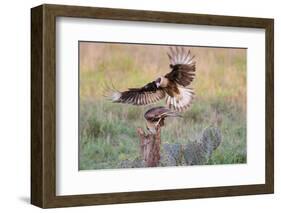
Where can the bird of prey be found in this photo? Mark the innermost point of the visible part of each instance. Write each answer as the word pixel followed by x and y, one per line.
pixel 155 117
pixel 173 86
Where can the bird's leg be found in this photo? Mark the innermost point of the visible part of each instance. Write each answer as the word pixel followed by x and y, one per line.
pixel 158 124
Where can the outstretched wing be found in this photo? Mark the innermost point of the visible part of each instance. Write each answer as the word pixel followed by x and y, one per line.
pixel 182 65
pixel 139 96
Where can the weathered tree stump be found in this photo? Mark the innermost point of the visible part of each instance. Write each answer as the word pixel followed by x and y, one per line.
pixel 150 147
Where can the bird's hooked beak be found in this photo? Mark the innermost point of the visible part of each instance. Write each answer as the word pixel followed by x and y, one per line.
pixel 158 82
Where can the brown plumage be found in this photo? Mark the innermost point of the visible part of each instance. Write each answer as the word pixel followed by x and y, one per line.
pixel 155 117
pixel 173 85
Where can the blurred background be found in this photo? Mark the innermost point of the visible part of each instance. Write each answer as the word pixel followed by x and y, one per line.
pixel 108 130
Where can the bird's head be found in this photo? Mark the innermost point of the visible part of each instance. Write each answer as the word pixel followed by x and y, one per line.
pixel 161 82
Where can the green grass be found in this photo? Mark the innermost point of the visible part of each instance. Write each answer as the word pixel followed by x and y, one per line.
pixel 108 130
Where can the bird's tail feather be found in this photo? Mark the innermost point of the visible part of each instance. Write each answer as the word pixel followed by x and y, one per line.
pixel 171 114
pixel 110 92
pixel 181 102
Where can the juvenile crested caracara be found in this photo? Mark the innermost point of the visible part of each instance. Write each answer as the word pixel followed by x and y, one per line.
pixel 155 117
pixel 172 86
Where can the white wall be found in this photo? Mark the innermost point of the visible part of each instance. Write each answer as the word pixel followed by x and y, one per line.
pixel 15 106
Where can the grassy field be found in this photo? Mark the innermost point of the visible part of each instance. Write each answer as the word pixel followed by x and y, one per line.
pixel 108 130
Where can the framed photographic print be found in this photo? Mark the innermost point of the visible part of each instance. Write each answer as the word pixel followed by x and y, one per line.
pixel 137 106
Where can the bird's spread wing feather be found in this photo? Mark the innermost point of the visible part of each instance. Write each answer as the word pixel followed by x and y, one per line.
pixel 182 65
pixel 139 96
